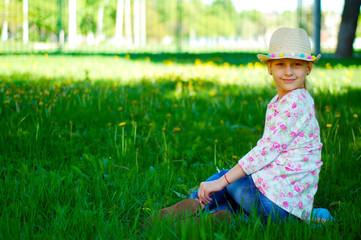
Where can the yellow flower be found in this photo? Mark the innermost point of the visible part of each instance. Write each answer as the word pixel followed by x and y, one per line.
pixel 355 115
pixel 46 55
pixel 47 93
pixel 109 123
pixel 176 129
pixel 169 115
pixel 222 122
pixel 41 103
pixel 216 140
pixel 329 125
pixel 212 92
pixel 250 65
pixel 120 109
pixel 16 96
pixel 88 90
pixel 147 59
pixel 245 102
pixel 127 56
pixel 337 115
pixel 328 66
pixel 198 62
pixel 76 92
pixel 235 157
pixel 122 124
pixel 6 102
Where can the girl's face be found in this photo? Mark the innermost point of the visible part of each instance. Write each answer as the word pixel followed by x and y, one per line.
pixel 288 74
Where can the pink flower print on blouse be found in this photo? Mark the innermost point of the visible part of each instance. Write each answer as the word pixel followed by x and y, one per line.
pixel 288 114
pixel 272 127
pixel 294 105
pixel 276 145
pixel 293 134
pixel 283 176
pixel 293 182
pixel 301 134
pixel 290 195
pixel 305 159
pixel 283 127
pixel 250 159
pixel 300 205
pixel 285 204
pixel 297 188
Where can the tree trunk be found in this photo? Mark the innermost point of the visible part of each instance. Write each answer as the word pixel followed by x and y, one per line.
pixel 128 23
pixel 72 24
pixel 143 23
pixel 4 31
pixel 347 32
pixel 136 23
pixel 119 23
pixel 25 22
pixel 99 33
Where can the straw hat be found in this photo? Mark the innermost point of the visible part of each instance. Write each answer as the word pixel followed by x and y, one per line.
pixel 289 42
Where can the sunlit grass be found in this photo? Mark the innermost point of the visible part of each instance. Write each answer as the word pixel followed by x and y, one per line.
pixel 91 146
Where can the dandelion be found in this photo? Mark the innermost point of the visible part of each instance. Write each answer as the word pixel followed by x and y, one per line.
pixel 328 125
pixel 47 93
pixel 226 64
pixel 6 102
pixel 355 115
pixel 88 90
pixel 116 57
pixel 212 93
pixel 16 96
pixel 169 115
pixel 76 91
pixel 337 115
pixel 198 62
pixel 147 59
pixel 176 129
pixel 41 103
pixel 109 123
pixel 122 124
pixel 245 102
pixel 120 109
pixel 250 65
pixel 46 55
pixel 216 140
pixel 328 66
pixel 235 157
pixel 222 122
pixel 127 56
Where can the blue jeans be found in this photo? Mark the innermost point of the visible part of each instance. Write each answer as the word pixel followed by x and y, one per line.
pixel 243 194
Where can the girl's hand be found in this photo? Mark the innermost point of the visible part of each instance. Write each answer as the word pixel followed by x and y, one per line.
pixel 208 188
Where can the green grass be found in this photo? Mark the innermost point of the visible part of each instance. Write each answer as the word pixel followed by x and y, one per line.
pixel 91 146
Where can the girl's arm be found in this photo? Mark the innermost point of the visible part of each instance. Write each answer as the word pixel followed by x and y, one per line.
pixel 208 188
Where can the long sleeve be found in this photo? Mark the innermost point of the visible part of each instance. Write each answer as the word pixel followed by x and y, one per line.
pixel 284 122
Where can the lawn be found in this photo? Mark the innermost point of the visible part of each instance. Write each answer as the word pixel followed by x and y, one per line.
pixel 92 145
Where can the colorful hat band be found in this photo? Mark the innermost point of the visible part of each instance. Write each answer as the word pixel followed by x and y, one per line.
pixel 274 55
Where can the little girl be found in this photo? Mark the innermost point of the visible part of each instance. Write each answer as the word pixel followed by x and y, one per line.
pixel 278 178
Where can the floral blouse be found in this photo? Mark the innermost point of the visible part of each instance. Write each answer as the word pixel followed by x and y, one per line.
pixel 286 162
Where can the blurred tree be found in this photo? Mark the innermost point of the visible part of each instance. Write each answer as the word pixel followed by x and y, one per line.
pixel 347 32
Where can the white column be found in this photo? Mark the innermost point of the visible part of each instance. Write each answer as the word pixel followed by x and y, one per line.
pixel 72 24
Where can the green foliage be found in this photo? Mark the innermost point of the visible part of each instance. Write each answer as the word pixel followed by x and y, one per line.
pixel 92 146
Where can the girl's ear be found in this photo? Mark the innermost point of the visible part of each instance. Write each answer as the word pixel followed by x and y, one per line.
pixel 309 67
pixel 268 64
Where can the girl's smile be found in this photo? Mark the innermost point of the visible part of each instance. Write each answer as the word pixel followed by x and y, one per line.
pixel 288 74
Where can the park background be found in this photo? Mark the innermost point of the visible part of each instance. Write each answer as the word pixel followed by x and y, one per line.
pixel 111 110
